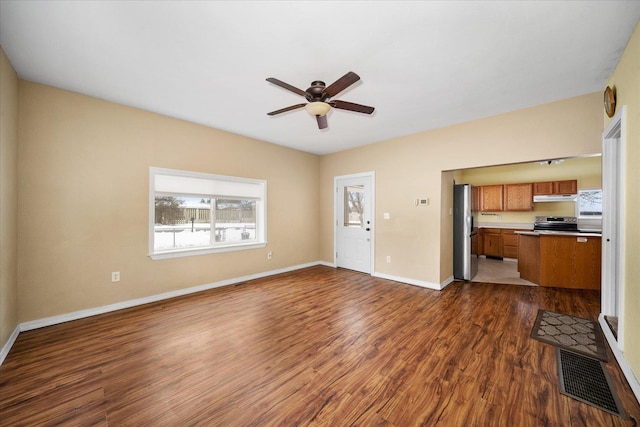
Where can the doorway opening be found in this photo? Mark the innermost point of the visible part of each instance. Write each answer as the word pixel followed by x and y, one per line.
pixel 613 154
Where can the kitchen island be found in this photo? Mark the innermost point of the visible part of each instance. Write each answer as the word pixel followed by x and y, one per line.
pixel 560 259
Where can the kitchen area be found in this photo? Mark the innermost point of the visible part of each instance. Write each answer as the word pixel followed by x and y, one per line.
pixel 536 224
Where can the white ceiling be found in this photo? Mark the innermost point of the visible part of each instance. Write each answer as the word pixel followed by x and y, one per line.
pixel 423 65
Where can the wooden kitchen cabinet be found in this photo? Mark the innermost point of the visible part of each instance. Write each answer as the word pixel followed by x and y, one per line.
pixel 555 187
pixel 529 257
pixel 492 242
pixel 542 188
pixel 475 199
pixel 491 198
pixel 565 187
pixel 509 243
pixel 518 197
pixel 570 261
pixel 561 261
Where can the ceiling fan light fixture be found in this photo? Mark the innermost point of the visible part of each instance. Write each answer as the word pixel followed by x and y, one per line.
pixel 318 108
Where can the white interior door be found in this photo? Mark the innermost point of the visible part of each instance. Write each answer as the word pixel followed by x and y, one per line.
pixel 613 221
pixel 354 222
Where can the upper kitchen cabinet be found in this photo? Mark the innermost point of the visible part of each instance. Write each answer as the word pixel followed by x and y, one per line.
pixel 555 187
pixel 518 197
pixel 565 187
pixel 491 198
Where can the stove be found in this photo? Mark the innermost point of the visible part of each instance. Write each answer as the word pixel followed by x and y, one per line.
pixel 556 223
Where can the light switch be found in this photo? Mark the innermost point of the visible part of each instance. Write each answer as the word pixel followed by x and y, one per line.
pixel 386 215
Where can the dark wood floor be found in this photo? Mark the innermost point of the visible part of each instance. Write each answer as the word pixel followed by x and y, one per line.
pixel 319 346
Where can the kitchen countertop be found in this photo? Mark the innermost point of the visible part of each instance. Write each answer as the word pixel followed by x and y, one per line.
pixel 513 225
pixel 559 233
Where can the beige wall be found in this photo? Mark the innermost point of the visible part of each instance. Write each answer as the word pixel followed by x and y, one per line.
pixel 84 191
pixel 8 199
pixel 626 80
pixel 418 238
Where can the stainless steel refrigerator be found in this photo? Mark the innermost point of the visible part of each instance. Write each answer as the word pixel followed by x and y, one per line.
pixel 465 234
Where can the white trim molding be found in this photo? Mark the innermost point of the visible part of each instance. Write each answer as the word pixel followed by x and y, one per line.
pixel 619 355
pixel 7 347
pixel 414 282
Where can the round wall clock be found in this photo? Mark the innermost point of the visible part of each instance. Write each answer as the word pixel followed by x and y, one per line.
pixel 609 101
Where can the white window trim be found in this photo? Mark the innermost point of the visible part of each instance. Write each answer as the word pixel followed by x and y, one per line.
pixel 261 214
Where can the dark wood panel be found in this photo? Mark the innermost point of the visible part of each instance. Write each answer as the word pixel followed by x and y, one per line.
pixel 319 346
pixel 529 258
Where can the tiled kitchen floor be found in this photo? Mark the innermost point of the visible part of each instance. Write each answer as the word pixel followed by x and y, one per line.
pixel 498 271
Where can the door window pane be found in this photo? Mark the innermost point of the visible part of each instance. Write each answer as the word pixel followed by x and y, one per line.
pixel 354 206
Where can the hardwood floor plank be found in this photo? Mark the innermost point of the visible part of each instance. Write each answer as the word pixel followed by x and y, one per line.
pixel 315 347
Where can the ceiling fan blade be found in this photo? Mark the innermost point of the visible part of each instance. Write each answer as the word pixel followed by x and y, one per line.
pixel 322 122
pixel 341 84
pixel 344 105
pixel 284 110
pixel 287 86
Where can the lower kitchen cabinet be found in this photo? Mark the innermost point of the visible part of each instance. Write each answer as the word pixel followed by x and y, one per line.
pixel 560 261
pixel 509 243
pixel 499 243
pixel 492 242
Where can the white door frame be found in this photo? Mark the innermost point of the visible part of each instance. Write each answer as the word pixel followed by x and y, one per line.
pixel 613 173
pixel 337 215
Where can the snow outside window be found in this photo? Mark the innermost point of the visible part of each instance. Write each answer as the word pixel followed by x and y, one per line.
pixel 194 213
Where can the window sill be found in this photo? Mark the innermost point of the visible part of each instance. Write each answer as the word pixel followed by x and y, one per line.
pixel 178 253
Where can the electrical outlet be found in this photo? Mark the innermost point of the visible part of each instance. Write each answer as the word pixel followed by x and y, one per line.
pixel 270 255
pixel 115 276
pixel 388 259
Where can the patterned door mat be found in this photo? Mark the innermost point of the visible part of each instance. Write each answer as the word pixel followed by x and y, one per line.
pixel 581 336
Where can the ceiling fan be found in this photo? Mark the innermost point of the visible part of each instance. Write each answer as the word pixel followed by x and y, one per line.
pixel 319 96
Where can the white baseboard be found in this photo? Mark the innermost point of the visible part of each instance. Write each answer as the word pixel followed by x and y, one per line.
pixel 448 281
pixel 327 264
pixel 619 355
pixel 54 320
pixel 12 339
pixel 421 283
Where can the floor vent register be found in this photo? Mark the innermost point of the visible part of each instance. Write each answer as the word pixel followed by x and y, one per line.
pixel 586 379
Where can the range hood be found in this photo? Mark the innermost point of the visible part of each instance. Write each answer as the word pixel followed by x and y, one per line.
pixel 556 198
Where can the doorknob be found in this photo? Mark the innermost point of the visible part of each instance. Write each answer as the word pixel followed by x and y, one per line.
pixel 367 229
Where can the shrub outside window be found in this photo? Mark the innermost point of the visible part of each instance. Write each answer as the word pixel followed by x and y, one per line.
pixel 194 213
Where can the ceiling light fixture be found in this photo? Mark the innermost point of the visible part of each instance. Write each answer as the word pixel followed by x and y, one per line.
pixel 549 162
pixel 318 108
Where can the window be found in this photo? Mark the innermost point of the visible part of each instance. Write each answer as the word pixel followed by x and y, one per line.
pixel 589 204
pixel 353 202
pixel 194 213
